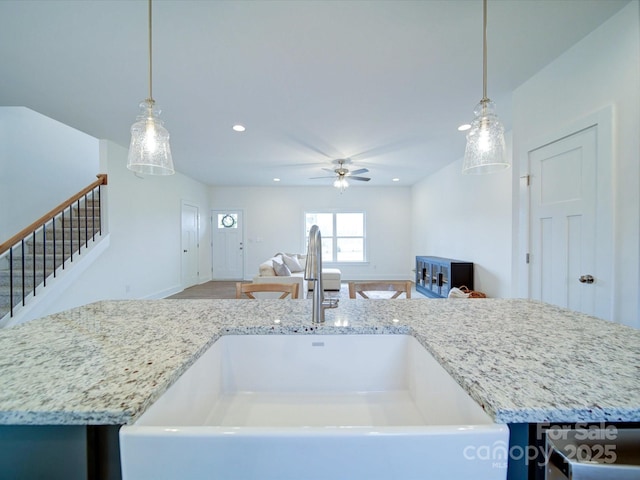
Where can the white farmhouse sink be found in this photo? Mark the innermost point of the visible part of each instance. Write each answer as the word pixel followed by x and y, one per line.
pixel 308 407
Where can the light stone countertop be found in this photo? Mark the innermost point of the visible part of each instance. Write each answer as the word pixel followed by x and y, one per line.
pixel 523 361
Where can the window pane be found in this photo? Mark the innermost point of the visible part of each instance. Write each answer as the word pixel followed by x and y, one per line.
pixel 349 224
pixel 350 250
pixel 324 222
pixel 327 249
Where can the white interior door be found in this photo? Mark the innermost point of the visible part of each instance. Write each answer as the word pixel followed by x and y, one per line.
pixel 190 245
pixel 564 269
pixel 228 245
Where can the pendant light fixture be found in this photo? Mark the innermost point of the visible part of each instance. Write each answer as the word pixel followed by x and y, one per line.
pixel 149 150
pixel 485 151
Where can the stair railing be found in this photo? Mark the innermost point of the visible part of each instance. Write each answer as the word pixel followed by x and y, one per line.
pixel 44 228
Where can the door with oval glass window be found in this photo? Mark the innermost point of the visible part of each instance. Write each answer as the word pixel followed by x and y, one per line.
pixel 227 245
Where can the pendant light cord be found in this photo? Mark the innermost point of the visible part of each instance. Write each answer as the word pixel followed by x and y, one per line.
pixel 150 57
pixel 484 51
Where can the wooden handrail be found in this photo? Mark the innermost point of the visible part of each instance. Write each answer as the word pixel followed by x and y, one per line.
pixel 102 180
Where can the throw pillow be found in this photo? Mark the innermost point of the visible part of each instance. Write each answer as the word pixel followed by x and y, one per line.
pixel 277 258
pixel 266 269
pixel 292 263
pixel 281 269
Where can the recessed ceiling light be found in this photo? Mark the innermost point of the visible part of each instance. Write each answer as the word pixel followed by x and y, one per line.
pixel 238 128
pixel 464 127
pixel 276 179
pixel 395 179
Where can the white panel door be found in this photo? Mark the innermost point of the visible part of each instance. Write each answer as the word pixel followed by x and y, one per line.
pixel 563 222
pixel 228 245
pixel 190 245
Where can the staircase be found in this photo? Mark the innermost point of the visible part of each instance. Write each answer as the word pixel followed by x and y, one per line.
pixel 36 256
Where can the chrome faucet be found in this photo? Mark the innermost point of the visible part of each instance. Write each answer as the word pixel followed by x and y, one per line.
pixel 313 273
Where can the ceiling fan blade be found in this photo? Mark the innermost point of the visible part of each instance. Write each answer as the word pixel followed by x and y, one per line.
pixel 329 170
pixel 359 171
pixel 316 178
pixel 361 179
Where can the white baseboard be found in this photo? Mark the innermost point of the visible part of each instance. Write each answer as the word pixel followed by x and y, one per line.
pixel 164 293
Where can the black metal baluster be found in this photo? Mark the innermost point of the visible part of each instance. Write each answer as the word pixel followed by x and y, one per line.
pixel 79 238
pixel 100 208
pixel 86 223
pixel 44 256
pixel 33 255
pixel 71 233
pixel 63 229
pixel 93 214
pixel 23 271
pixel 53 225
pixel 11 282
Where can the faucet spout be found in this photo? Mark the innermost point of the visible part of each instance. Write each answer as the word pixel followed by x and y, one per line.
pixel 313 273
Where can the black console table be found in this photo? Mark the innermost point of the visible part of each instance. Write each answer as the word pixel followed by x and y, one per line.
pixel 435 276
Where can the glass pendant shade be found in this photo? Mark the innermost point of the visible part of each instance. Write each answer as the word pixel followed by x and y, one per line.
pixel 149 150
pixel 486 150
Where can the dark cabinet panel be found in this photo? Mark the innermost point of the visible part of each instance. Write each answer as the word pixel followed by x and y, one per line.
pixel 435 276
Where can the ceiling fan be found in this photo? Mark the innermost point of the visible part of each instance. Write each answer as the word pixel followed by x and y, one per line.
pixel 341 174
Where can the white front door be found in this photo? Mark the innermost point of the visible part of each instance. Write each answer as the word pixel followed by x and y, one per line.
pixel 228 245
pixel 190 245
pixel 564 266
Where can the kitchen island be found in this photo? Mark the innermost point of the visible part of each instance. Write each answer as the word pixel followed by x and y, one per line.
pixel 100 366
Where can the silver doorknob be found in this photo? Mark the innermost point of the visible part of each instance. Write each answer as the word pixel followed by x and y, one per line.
pixel 586 279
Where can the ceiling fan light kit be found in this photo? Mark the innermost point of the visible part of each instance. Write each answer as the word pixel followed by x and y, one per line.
pixel 149 150
pixel 485 151
pixel 341 183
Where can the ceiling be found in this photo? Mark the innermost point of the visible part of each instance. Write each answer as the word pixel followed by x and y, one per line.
pixel 385 83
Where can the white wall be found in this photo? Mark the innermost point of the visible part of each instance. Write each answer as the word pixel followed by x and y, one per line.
pixel 467 217
pixel 143 259
pixel 42 163
pixel 274 222
pixel 601 70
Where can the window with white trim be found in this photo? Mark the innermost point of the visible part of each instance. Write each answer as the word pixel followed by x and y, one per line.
pixel 343 235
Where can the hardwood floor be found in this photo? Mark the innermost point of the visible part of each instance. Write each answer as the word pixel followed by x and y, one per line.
pixel 213 289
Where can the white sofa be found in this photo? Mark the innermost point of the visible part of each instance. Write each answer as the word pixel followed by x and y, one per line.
pixel 272 271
